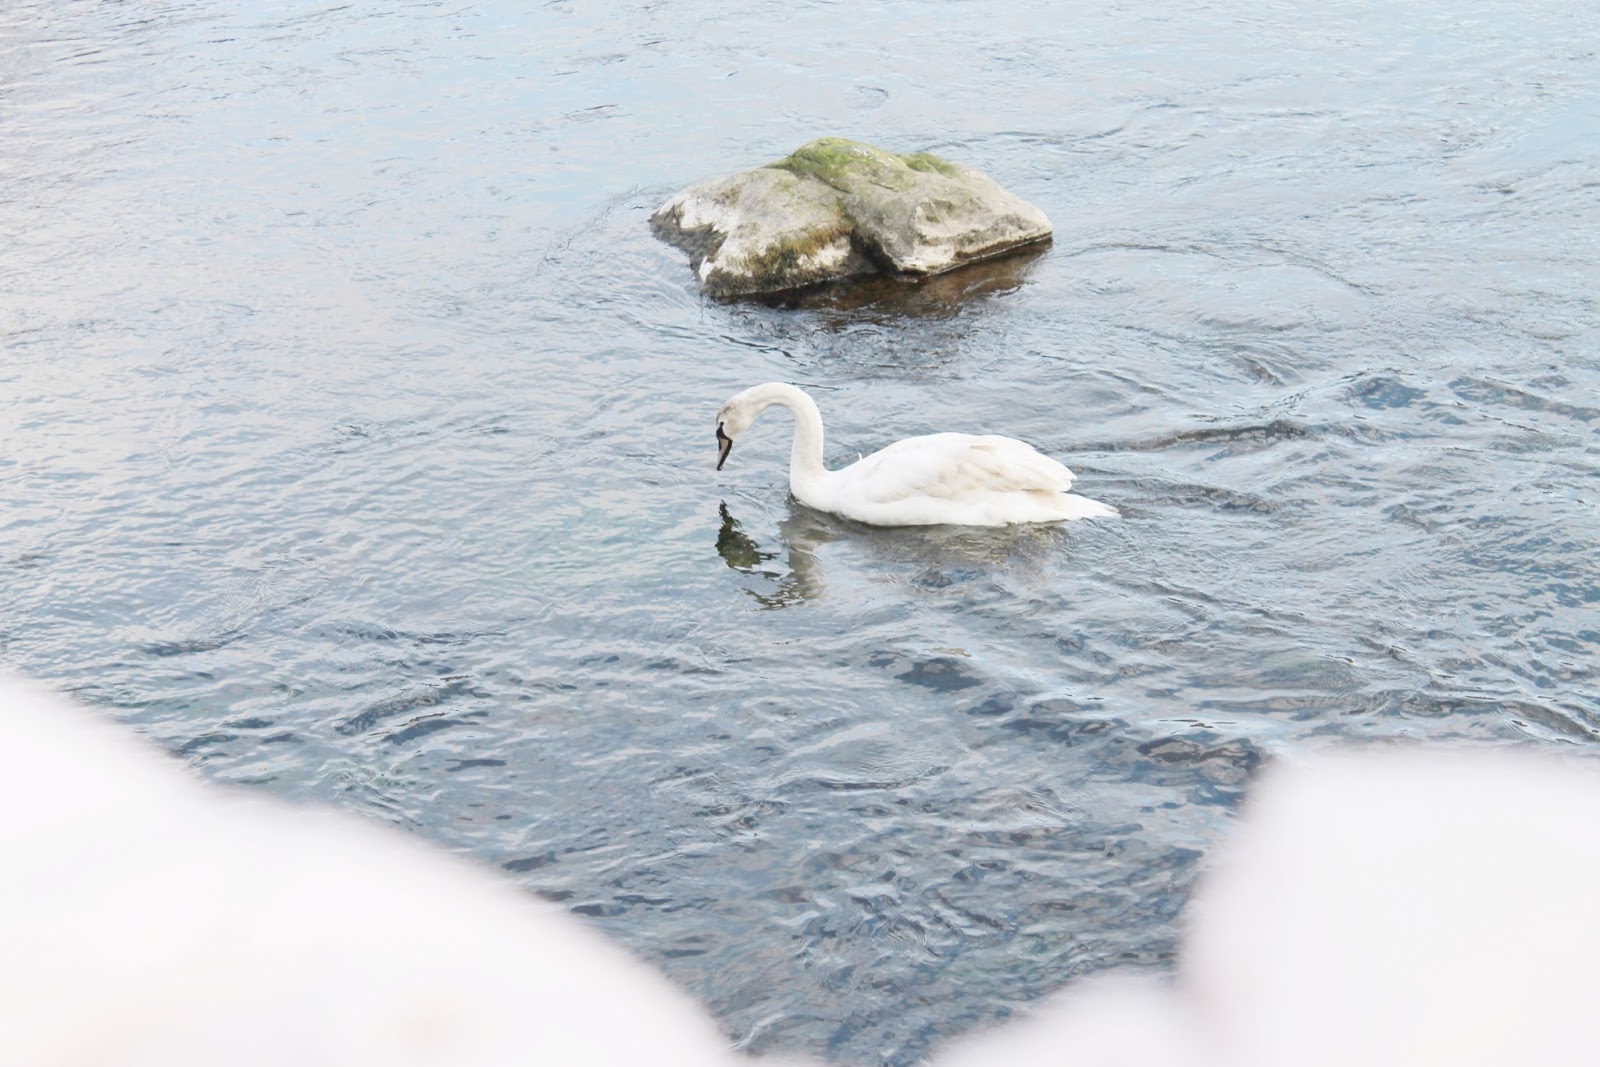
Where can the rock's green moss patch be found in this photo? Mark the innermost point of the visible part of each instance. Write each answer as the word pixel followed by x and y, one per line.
pixel 841 162
pixel 927 162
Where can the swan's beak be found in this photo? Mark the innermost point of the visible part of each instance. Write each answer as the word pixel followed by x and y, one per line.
pixel 724 446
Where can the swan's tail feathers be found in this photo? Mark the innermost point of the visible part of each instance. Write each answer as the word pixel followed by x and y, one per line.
pixel 1081 507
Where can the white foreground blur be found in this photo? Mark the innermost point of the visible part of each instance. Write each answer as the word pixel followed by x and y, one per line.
pixel 149 919
pixel 1396 907
pixel 1393 907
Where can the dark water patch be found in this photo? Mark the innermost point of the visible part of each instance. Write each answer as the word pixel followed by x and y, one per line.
pixel 1215 766
pixel 995 705
pixel 197 745
pixel 1565 720
pixel 1154 491
pixel 421 727
pixel 1263 361
pixel 252 724
pixel 1578 723
pixel 1262 434
pixel 1490 394
pixel 1385 393
pixel 163 649
pixel 345 631
pixel 401 704
pixel 529 863
pixel 942 674
pixel 456 765
pixel 598 910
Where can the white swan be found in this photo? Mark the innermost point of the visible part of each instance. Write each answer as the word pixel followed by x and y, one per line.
pixel 954 478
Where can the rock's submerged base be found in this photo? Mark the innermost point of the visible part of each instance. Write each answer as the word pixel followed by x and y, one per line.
pixel 840 209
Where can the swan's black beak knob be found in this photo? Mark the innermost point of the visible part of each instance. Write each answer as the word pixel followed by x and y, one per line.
pixel 724 446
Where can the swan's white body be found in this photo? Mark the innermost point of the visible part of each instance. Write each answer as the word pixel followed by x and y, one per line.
pixel 944 478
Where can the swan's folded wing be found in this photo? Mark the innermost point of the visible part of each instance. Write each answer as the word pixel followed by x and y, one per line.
pixel 955 465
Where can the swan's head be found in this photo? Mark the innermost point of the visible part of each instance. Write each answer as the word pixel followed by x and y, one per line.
pixel 742 408
pixel 734 419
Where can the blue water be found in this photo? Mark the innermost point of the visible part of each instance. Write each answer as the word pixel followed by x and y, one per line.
pixel 356 444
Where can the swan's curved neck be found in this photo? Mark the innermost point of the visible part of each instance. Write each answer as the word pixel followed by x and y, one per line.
pixel 805 458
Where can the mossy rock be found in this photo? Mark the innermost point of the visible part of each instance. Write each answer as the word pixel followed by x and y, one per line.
pixel 838 209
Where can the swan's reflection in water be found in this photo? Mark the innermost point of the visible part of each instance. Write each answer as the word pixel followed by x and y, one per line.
pixel 936 556
pixel 796 579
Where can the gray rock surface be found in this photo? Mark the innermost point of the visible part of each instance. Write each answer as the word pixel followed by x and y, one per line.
pixel 840 209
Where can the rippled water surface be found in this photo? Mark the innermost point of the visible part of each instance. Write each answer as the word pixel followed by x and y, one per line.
pixel 357 443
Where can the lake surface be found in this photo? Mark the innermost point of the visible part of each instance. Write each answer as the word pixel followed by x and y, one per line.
pixel 356 442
